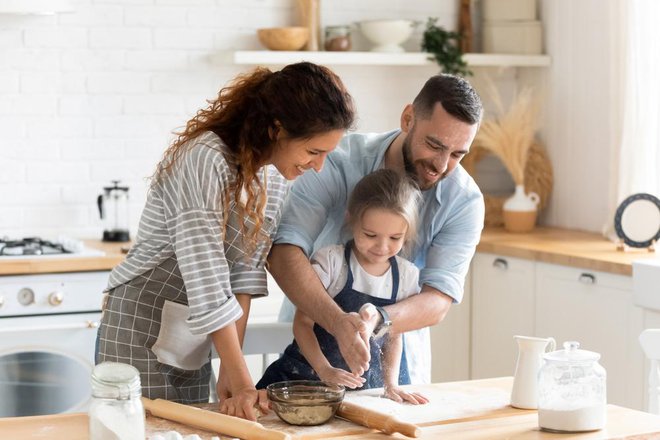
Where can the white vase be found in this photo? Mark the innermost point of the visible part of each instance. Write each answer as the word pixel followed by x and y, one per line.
pixel 520 210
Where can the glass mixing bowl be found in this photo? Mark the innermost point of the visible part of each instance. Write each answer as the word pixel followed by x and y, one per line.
pixel 305 402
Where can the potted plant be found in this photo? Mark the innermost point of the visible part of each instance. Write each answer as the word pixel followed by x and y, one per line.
pixel 445 48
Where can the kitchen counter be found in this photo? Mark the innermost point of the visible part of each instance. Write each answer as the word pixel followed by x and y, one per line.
pixel 58 264
pixel 566 247
pixel 469 410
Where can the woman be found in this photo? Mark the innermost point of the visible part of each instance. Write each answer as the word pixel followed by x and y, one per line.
pixel 199 255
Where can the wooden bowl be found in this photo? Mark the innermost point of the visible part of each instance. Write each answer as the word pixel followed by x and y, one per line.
pixel 284 38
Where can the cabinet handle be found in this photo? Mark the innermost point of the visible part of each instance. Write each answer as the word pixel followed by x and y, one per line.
pixel 500 263
pixel 587 278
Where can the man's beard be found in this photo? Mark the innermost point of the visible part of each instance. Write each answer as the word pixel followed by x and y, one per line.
pixel 411 171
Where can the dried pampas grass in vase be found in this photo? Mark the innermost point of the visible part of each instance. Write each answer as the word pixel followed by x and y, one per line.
pixel 510 137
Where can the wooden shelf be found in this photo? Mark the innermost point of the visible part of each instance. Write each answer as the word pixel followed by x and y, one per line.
pixel 268 57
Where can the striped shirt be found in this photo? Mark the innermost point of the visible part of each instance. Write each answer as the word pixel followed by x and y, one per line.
pixel 183 219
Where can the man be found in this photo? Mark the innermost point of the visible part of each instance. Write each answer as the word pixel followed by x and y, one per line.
pixel 436 132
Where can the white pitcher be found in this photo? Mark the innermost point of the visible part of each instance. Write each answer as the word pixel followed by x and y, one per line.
pixel 524 393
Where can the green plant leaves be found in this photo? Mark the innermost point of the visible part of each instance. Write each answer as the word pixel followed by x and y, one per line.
pixel 444 47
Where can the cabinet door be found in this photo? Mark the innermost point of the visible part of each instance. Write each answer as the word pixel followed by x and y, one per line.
pixel 450 342
pixel 651 320
pixel 502 306
pixel 595 309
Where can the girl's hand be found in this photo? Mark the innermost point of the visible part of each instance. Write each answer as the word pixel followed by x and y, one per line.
pixel 242 404
pixel 342 377
pixel 399 395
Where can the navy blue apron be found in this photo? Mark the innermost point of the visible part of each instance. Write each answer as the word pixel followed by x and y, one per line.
pixel 292 365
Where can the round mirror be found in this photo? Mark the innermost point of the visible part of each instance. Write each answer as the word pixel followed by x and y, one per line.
pixel 637 220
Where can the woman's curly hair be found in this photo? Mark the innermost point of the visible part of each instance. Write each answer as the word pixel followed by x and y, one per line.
pixel 304 99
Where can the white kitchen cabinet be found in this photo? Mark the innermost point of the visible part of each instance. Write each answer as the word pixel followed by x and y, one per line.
pixel 502 306
pixel 595 309
pixel 450 342
pixel 651 320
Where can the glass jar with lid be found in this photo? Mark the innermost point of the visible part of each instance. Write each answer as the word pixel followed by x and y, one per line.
pixel 572 390
pixel 116 411
pixel 337 38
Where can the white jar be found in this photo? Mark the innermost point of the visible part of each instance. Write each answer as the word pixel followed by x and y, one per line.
pixel 116 411
pixel 572 391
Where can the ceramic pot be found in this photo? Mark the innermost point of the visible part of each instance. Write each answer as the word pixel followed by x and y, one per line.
pixel 520 210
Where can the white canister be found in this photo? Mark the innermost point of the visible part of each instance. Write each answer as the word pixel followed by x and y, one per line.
pixel 572 390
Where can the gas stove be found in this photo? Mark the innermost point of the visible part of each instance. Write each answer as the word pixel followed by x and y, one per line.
pixel 35 247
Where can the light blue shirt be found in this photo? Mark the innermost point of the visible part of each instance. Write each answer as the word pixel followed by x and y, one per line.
pixel 451 215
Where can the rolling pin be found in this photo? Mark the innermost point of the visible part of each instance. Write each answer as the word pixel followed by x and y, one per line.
pixel 211 421
pixel 376 420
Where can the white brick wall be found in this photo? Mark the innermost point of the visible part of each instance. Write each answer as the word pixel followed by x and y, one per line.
pixel 94 95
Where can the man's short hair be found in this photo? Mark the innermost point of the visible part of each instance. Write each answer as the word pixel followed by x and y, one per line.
pixel 455 94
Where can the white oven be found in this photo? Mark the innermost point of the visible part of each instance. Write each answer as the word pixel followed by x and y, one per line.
pixel 48 326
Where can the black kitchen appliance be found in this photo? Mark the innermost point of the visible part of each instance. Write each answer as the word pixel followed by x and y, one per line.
pixel 113 209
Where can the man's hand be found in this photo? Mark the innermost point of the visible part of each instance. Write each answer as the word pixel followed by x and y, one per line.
pixel 349 329
pixel 371 317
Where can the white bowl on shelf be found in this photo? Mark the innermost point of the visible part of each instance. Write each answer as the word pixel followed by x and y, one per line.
pixel 387 35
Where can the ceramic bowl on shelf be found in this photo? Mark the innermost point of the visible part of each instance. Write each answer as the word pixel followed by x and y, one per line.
pixel 305 402
pixel 283 38
pixel 387 35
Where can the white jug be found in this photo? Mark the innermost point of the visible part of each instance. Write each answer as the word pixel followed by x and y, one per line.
pixel 524 393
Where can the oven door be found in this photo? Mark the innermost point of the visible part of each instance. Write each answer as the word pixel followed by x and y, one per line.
pixel 46 363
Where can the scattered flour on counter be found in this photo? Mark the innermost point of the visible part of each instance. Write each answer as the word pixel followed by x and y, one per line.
pixel 443 404
pixel 174 435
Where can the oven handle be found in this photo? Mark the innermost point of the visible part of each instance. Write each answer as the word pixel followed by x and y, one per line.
pixel 79 325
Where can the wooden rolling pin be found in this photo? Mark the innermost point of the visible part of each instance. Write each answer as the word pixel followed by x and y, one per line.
pixel 211 421
pixel 376 420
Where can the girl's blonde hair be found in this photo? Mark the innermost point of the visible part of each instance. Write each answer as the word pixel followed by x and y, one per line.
pixel 386 189
pixel 304 99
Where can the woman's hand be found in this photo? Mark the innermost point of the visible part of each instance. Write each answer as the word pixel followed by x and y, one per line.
pixel 222 387
pixel 243 403
pixel 399 395
pixel 342 377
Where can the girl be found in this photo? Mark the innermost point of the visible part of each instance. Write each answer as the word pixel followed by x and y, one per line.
pixel 213 204
pixel 361 276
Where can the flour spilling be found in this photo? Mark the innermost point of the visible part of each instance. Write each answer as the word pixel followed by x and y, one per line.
pixel 443 404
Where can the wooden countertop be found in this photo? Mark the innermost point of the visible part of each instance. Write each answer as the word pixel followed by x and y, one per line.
pixel 469 410
pixel 113 256
pixel 585 250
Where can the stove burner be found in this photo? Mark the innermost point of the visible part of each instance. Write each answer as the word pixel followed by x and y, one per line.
pixel 30 246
